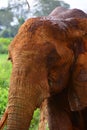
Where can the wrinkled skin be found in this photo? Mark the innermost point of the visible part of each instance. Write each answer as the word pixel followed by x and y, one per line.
pixel 46 58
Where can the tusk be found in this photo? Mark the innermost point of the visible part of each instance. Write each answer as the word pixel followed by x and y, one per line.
pixel 4 119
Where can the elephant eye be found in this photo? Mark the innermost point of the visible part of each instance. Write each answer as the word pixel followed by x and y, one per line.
pixel 9 58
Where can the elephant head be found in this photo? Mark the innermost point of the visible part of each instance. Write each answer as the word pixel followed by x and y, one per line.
pixel 43 55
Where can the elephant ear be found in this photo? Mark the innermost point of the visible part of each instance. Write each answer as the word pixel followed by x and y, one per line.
pixel 78 91
pixel 71 47
pixel 61 59
pixel 77 94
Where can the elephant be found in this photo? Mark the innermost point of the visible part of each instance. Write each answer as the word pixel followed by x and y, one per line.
pixel 48 57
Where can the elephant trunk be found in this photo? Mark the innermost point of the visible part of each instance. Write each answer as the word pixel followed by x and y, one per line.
pixel 20 113
pixel 19 116
pixel 22 102
pixel 17 122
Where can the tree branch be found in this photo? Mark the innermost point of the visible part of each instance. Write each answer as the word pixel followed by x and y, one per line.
pixel 28 4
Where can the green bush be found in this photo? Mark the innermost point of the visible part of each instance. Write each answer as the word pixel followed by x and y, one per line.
pixel 35 120
pixel 4 42
pixel 3 99
pixel 5 33
pixel 5 70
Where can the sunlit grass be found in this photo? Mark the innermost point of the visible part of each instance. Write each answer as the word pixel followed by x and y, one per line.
pixel 5 71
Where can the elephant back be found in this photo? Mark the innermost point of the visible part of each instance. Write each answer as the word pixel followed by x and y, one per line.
pixel 63 13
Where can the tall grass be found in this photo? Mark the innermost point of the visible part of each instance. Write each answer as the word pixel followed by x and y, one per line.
pixel 5 70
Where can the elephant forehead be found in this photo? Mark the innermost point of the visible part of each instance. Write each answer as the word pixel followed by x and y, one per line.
pixel 30 43
pixel 40 30
pixel 23 36
pixel 34 54
pixel 26 25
